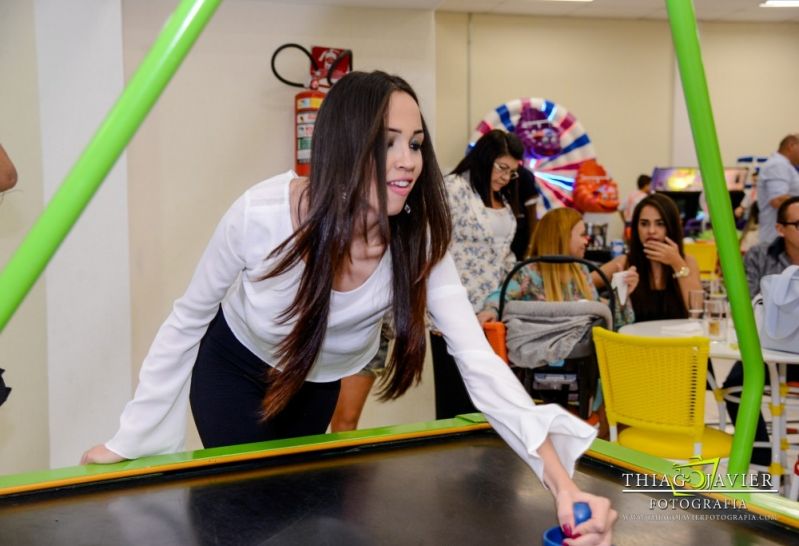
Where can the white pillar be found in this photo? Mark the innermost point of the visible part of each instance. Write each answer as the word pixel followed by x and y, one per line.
pixel 79 47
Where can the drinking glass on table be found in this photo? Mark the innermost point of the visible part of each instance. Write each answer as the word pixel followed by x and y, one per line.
pixel 696 302
pixel 715 319
pixel 717 289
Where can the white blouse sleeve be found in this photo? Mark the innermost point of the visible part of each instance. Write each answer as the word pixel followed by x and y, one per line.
pixel 154 422
pixel 492 386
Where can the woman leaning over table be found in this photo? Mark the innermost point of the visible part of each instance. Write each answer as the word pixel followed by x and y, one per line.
pixel 305 271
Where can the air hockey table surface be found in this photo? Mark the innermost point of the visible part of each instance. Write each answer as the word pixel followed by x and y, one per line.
pixel 443 482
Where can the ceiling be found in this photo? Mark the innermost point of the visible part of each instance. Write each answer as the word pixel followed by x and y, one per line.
pixel 706 10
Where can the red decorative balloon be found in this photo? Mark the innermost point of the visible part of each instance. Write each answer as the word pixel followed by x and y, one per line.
pixel 594 190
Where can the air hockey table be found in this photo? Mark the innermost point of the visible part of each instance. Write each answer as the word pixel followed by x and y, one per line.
pixel 444 482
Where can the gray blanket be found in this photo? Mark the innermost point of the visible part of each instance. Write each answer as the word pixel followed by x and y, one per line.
pixel 541 332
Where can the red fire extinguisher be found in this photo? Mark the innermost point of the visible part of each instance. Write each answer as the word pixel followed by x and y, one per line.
pixel 306 106
pixel 308 101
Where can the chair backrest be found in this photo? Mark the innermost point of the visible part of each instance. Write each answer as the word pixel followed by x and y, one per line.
pixel 655 383
pixel 705 254
pixel 495 334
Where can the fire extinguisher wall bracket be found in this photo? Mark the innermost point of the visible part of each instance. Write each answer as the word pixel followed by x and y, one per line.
pixel 314 65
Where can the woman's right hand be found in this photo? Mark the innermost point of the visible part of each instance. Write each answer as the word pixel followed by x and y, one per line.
pixel 596 531
pixel 100 454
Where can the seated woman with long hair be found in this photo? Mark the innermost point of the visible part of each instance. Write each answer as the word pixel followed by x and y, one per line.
pixel 561 232
pixel 667 275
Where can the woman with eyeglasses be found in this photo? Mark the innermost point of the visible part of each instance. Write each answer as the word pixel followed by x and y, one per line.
pixel 482 194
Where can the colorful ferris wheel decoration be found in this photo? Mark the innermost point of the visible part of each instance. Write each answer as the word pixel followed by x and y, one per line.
pixel 555 145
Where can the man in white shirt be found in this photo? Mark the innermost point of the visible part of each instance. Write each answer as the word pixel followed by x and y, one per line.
pixel 778 181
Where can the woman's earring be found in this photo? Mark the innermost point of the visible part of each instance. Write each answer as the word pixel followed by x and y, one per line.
pixel 407 208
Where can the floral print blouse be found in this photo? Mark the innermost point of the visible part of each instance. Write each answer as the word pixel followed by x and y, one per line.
pixel 482 259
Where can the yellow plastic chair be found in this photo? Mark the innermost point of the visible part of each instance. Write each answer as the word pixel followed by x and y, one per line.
pixel 656 385
pixel 706 256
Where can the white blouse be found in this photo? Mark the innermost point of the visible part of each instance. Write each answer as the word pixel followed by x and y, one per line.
pixel 228 273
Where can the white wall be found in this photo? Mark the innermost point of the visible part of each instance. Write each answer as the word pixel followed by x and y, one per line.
pixel 79 47
pixel 752 77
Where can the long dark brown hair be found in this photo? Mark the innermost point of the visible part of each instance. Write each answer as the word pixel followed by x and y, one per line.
pixel 674 306
pixel 479 162
pixel 349 149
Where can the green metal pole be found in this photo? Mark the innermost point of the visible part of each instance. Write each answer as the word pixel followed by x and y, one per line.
pixel 119 126
pixel 697 99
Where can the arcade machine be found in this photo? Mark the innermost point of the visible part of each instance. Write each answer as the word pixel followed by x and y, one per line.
pixel 684 186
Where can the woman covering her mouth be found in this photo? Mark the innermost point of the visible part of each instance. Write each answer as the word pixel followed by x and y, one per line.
pixel 666 274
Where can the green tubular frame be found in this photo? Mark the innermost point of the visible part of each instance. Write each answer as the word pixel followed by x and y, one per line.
pixel 692 72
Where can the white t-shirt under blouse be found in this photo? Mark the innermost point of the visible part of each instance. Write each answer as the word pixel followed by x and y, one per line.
pixel 501 223
pixel 228 273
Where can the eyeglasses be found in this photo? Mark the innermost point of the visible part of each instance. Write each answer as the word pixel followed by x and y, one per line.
pixel 795 224
pixel 504 169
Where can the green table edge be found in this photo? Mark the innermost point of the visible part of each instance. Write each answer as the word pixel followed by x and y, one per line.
pixel 772 504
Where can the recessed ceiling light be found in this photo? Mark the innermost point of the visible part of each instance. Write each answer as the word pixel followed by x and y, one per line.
pixel 780 4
